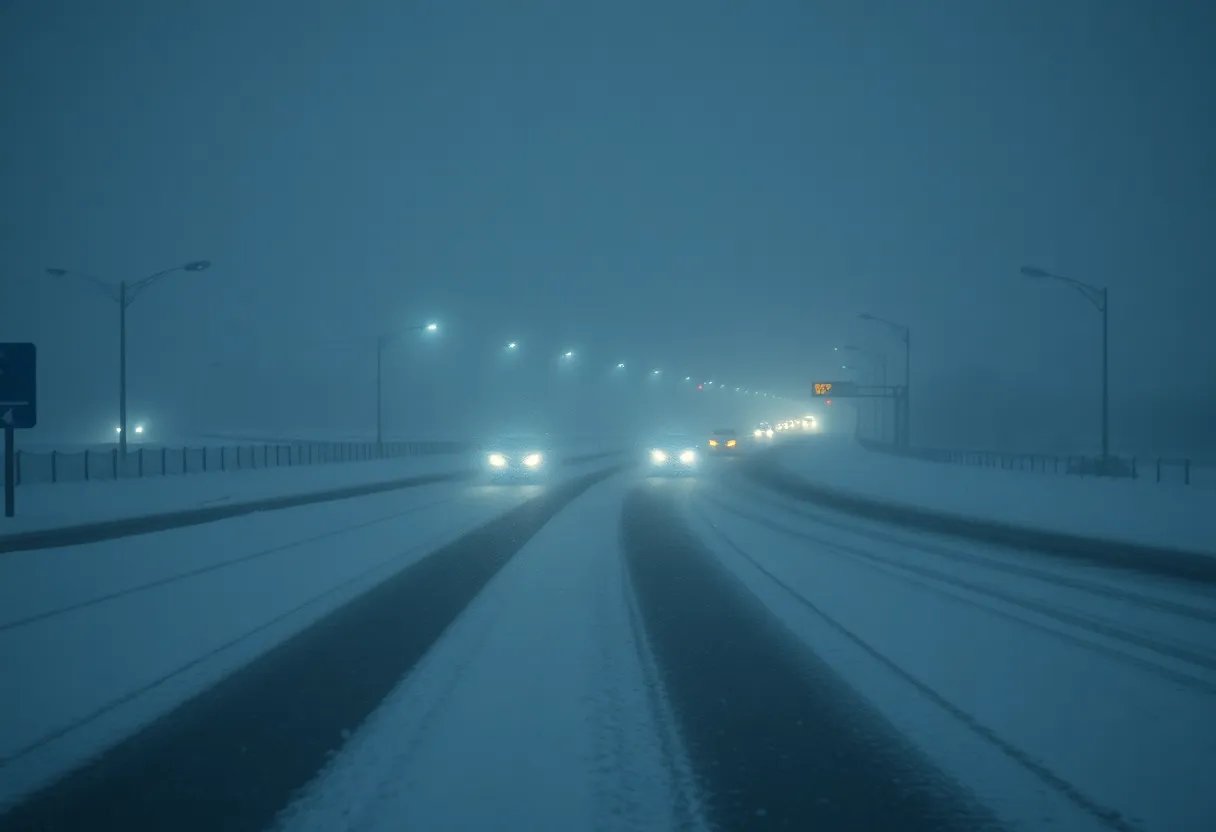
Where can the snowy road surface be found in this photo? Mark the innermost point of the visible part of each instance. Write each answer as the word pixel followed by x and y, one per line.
pixel 606 652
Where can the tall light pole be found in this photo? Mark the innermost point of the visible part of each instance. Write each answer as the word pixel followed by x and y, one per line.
pixel 904 431
pixel 383 341
pixel 1098 297
pixel 124 293
pixel 880 364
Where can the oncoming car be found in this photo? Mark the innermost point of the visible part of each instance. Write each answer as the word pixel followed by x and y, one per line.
pixel 763 431
pixel 673 455
pixel 724 441
pixel 517 458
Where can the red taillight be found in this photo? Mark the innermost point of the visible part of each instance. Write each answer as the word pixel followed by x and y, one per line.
pixel 829 401
pixel 700 386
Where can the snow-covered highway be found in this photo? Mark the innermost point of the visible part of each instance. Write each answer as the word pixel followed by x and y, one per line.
pixel 603 652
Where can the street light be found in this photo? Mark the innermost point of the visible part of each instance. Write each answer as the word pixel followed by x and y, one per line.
pixel 1098 297
pixel 904 435
pixel 125 293
pixel 880 362
pixel 383 341
pixel 512 345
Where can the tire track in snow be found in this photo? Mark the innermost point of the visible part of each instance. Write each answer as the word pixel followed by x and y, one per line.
pixel 232 757
pixel 777 739
pixel 1107 816
pixel 1088 623
pixel 215 566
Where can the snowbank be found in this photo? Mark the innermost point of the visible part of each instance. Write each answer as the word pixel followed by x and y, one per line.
pixel 1148 514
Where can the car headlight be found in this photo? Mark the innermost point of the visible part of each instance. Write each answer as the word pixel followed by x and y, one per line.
pixel 757 433
pixel 532 460
pixel 769 433
pixel 497 461
pixel 730 443
pixel 658 457
pixel 713 443
pixel 688 457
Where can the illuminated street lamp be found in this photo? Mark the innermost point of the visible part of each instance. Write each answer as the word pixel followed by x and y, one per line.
pixel 381 342
pixel 124 293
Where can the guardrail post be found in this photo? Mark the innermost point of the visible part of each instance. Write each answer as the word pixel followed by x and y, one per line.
pixel 164 461
pixel 223 461
pixel 140 461
pixel 114 462
pixel 185 461
pixel 204 453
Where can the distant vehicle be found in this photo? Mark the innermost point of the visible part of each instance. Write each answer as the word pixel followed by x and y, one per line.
pixel 724 441
pixel 518 458
pixel 763 431
pixel 673 455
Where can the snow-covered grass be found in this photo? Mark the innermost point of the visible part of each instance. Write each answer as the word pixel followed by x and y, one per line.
pixel 1066 697
pixel 97 640
pixel 530 713
pixel 1149 514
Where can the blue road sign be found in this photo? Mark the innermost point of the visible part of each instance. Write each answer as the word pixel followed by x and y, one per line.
pixel 18 386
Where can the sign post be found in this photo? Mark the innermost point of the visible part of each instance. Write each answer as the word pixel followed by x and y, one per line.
pixel 851 390
pixel 18 408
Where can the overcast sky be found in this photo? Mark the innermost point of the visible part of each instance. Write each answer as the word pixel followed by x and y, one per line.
pixel 714 188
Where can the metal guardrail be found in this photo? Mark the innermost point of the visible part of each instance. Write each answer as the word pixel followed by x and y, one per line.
pixel 1177 470
pixel 83 466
